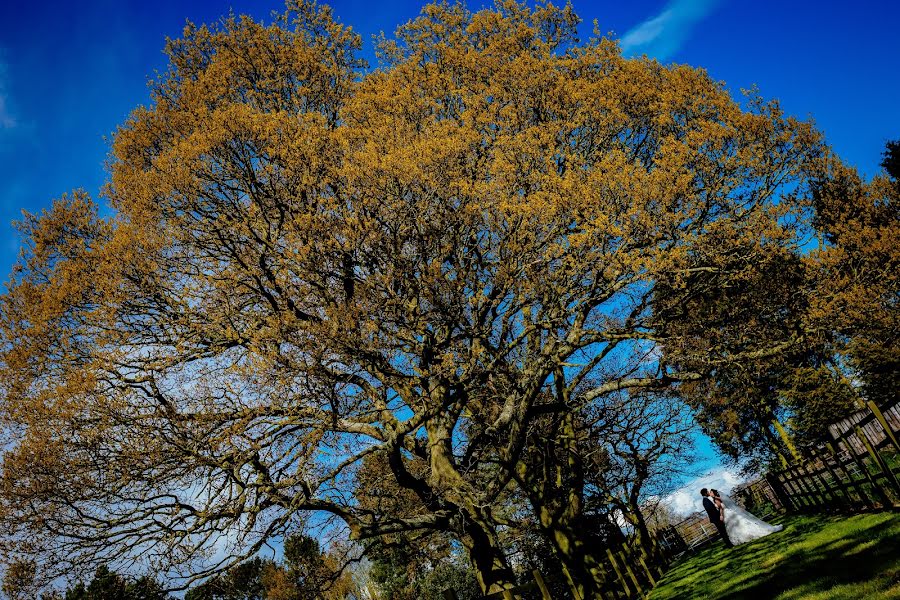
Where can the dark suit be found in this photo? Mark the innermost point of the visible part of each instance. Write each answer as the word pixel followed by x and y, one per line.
pixel 715 517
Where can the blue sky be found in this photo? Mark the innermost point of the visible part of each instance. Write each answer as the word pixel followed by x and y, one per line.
pixel 70 72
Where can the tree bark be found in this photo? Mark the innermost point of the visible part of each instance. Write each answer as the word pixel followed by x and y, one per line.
pixel 492 570
pixel 554 482
pixel 786 438
pixel 582 564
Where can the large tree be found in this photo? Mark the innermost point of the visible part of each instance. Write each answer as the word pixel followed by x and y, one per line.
pixel 309 264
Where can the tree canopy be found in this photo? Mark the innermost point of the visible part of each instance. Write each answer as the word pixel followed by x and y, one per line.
pixel 310 264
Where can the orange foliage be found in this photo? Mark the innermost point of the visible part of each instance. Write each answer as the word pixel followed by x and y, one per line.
pixel 308 262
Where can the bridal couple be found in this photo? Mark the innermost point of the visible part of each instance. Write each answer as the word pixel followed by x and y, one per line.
pixel 735 525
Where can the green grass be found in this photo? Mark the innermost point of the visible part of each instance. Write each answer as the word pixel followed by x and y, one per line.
pixel 814 558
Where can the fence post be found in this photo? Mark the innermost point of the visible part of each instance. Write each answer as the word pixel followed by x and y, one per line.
pixel 545 592
pixel 837 484
pixel 659 559
pixel 819 475
pixel 884 424
pixel 852 484
pixel 637 584
pixel 775 484
pixel 820 488
pixel 880 462
pixel 640 556
pixel 868 475
pixel 805 492
pixel 621 576
pixel 802 492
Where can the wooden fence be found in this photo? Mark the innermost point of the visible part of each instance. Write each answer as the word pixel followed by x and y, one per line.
pixel 687 535
pixel 759 498
pixel 630 572
pixel 536 588
pixel 858 469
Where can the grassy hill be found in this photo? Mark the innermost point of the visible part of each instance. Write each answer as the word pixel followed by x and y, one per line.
pixel 817 558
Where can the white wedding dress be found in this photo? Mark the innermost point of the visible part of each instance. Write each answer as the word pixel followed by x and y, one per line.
pixel 742 527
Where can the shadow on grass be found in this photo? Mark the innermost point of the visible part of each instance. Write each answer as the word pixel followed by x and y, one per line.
pixel 811 557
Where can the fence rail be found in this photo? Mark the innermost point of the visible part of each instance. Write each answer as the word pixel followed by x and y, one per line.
pixel 630 572
pixel 536 587
pixel 858 469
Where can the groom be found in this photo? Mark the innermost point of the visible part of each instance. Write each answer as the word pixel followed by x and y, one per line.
pixel 715 516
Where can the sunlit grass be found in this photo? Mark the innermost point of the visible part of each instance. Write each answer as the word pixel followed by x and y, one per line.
pixel 833 558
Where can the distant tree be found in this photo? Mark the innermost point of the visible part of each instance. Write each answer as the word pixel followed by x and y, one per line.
pixel 306 573
pixel 891 160
pixel 19 581
pixel 108 585
pixel 647 441
pixel 407 565
pixel 817 398
pixel 400 572
pixel 241 582
pixel 458 577
pixel 393 569
pixel 659 515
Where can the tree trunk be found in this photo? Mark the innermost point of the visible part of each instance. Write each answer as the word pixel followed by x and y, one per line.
pixel 786 438
pixel 492 570
pixel 581 562
pixel 554 482
pixel 776 447
pixel 644 538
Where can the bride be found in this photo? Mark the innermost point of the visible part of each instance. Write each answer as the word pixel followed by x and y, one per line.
pixel 742 527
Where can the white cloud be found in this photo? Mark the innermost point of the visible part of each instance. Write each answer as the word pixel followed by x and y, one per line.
pixel 687 500
pixel 662 35
pixel 7 121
